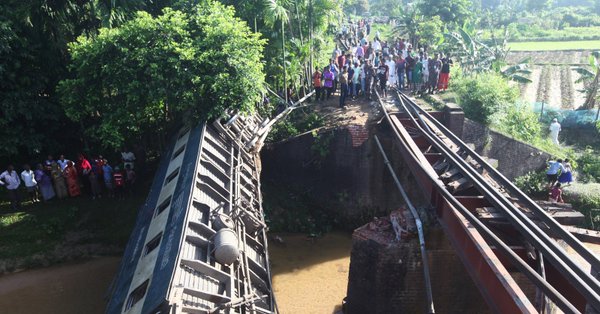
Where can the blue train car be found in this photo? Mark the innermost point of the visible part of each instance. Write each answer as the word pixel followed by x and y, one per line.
pixel 199 244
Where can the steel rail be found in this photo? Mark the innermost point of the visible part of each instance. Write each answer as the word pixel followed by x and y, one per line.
pixel 553 225
pixel 413 211
pixel 509 206
pixel 582 281
pixel 548 289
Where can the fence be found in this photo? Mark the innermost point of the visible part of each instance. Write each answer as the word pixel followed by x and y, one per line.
pixel 567 117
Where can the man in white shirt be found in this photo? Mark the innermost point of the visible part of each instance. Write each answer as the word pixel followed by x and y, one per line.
pixel 128 158
pixel 554 130
pixel 376 45
pixel 62 162
pixel 28 178
pixel 11 181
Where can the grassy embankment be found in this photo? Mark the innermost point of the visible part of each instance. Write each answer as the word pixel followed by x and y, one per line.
pixel 41 234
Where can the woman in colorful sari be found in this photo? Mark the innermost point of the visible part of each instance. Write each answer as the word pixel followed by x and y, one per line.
pixel 44 182
pixel 59 180
pixel 70 174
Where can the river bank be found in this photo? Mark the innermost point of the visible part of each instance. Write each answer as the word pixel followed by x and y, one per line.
pixel 310 275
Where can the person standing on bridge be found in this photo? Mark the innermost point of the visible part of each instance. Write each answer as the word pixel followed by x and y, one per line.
pixel 435 66
pixel 445 73
pixel 369 78
pixel 328 81
pixel 410 65
pixel 400 70
pixel 554 130
pixel 383 73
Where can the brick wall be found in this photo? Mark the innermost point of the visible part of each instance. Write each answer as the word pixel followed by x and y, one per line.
pixel 515 158
pixel 388 277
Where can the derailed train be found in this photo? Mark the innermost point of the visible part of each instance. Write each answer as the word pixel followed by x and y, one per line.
pixel 199 244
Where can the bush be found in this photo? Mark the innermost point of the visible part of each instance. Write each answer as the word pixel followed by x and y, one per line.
pixel 482 96
pixel 296 123
pixel 533 184
pixel 589 163
pixel 586 199
pixel 518 121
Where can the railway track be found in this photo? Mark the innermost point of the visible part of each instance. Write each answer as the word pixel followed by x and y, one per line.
pixel 522 237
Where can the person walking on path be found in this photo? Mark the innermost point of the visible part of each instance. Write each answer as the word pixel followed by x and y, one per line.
pixel 356 80
pixel 369 77
pixel 328 81
pixel 566 177
pixel 28 177
pixel 10 179
pixel 343 87
pixel 391 64
pixel 554 130
pixel 555 195
pixel 45 182
pixel 317 85
pixel 554 168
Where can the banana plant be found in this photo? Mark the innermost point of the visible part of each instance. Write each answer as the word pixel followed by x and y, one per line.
pixel 590 79
pixel 474 55
pixel 518 72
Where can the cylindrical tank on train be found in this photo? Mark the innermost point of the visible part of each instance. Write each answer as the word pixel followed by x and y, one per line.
pixel 226 246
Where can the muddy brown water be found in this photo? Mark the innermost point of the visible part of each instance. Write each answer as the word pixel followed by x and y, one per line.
pixel 309 276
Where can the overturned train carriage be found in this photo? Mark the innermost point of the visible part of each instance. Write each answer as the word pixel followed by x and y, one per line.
pixel 199 244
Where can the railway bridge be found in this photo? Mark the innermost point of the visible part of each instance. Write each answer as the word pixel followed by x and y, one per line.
pixel 200 241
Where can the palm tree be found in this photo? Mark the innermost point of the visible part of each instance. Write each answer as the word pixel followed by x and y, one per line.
pixel 275 11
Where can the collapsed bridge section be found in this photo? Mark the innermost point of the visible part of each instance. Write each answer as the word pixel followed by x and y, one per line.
pixel 495 229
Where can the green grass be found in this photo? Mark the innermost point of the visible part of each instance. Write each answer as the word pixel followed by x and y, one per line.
pixel 47 233
pixel 554 45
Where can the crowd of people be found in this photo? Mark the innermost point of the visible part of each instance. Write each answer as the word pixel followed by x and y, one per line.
pixel 358 65
pixel 559 173
pixel 64 178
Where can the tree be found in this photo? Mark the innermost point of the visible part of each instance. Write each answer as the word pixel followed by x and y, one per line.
pixel 357 7
pixel 450 11
pixel 538 5
pixel 33 38
pixel 150 74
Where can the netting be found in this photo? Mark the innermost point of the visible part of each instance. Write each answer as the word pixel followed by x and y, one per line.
pixel 566 117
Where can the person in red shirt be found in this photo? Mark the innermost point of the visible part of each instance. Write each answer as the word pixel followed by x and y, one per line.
pixel 119 183
pixel 83 170
pixel 318 86
pixel 556 194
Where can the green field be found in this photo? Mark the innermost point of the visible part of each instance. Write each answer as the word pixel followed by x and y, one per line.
pixel 554 45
